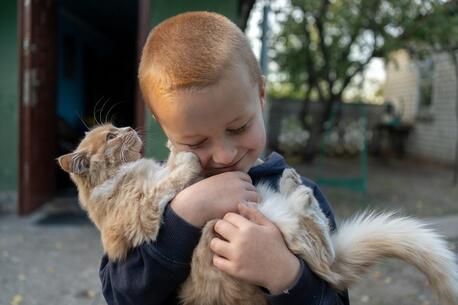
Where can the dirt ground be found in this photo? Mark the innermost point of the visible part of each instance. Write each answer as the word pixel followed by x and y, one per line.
pixel 408 186
pixel 52 257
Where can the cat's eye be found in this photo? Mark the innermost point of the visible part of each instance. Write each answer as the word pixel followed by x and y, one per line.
pixel 110 136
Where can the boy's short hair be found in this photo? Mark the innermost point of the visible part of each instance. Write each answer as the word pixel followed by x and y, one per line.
pixel 191 51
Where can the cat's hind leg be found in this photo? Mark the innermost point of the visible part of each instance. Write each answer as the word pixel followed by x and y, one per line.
pixel 114 243
pixel 312 241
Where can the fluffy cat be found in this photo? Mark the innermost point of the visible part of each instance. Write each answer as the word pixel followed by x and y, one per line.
pixel 125 196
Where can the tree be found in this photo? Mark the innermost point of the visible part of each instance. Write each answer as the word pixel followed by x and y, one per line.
pixel 322 45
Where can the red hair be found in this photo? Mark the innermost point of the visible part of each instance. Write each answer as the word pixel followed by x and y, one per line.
pixel 191 51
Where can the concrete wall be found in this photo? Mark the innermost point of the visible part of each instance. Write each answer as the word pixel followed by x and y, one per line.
pixel 9 64
pixel 435 136
pixel 401 85
pixel 161 10
pixel 435 128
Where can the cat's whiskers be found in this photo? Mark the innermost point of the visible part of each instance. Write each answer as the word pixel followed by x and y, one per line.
pixel 94 112
pixel 82 121
pixel 109 110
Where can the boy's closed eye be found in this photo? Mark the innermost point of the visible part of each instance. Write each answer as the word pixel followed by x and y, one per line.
pixel 235 131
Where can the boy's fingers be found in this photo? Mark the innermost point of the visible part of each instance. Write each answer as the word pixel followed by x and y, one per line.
pixel 236 219
pixel 252 197
pixel 225 229
pixel 253 214
pixel 220 247
pixel 245 177
pixel 250 187
pixel 221 263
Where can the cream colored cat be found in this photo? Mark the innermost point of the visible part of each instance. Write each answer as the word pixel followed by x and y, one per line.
pixel 125 196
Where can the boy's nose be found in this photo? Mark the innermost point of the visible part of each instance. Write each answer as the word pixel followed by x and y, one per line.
pixel 224 153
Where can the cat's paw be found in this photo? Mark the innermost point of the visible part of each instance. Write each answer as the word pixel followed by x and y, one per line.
pixel 188 160
pixel 290 180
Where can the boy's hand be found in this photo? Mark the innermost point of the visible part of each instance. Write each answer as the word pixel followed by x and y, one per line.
pixel 213 197
pixel 254 251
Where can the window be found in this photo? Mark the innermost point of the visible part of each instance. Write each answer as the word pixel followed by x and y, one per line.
pixel 426 75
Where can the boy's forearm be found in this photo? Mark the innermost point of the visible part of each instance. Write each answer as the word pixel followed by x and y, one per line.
pixel 152 272
pixel 193 214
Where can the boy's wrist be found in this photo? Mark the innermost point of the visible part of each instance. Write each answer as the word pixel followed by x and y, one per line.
pixel 290 272
pixel 189 211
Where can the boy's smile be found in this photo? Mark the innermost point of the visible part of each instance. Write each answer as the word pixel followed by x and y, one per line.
pixel 222 124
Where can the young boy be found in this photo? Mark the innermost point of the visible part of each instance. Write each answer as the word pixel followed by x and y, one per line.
pixel 203 85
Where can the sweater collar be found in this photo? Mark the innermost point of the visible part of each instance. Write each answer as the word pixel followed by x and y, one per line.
pixel 273 164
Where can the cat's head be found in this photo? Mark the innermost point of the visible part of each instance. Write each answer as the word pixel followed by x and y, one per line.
pixel 102 151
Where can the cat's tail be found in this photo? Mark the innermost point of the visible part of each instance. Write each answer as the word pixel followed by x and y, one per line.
pixel 364 240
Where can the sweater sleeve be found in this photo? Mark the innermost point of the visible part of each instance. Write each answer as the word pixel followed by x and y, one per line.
pixel 152 272
pixel 309 288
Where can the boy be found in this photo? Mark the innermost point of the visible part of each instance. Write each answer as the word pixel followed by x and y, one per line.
pixel 203 85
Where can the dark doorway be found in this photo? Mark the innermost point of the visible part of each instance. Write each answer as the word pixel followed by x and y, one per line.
pixel 96 69
pixel 91 53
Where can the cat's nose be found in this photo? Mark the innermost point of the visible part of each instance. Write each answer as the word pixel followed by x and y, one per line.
pixel 129 129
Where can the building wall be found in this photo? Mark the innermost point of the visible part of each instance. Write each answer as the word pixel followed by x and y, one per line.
pixel 8 95
pixel 400 85
pixel 435 136
pixel 161 10
pixel 435 127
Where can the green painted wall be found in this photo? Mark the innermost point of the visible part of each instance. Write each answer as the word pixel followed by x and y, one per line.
pixel 161 10
pixel 8 95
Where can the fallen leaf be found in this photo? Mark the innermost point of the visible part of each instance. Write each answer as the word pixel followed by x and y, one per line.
pixel 17 299
pixel 376 274
pixel 90 293
pixel 387 280
pixel 365 298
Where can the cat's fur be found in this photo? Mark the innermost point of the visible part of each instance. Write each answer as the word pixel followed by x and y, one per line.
pixel 125 196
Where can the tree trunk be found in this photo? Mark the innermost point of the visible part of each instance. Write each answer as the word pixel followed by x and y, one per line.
pixel 304 111
pixel 316 130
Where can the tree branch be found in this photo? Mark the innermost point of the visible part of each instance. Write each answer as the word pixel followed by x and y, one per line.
pixel 322 43
pixel 360 66
pixel 313 78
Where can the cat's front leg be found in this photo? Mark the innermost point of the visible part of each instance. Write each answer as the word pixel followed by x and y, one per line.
pixel 184 169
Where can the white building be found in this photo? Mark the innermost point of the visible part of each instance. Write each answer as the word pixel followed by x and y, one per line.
pixel 424 92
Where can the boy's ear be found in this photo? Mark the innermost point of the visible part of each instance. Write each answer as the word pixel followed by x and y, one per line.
pixel 76 163
pixel 262 92
pixel 169 145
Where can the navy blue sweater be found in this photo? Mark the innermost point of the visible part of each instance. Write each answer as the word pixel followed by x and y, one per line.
pixel 153 272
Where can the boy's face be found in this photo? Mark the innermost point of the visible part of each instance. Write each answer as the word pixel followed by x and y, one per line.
pixel 221 124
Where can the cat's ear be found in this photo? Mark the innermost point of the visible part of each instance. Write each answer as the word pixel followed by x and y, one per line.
pixel 76 163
